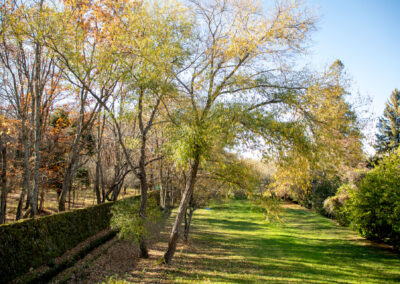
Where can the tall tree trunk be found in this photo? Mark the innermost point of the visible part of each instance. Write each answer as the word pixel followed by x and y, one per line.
pixel 74 154
pixel 99 172
pixel 3 205
pixel 175 233
pixel 26 187
pixel 36 133
pixel 143 198
pixel 31 136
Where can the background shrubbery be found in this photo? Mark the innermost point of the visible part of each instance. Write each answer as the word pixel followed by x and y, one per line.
pixel 334 205
pixel 373 206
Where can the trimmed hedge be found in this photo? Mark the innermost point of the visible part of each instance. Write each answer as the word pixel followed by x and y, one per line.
pixel 31 243
pixel 46 276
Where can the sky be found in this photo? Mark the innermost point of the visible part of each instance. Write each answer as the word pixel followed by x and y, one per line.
pixel 365 36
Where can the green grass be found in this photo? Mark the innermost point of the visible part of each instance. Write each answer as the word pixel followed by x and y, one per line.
pixel 232 243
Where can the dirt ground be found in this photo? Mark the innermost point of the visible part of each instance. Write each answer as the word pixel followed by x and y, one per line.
pixel 117 261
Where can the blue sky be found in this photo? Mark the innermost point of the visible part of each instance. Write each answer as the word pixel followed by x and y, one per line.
pixel 365 35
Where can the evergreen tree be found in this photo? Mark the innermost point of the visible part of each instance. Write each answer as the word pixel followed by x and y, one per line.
pixel 388 137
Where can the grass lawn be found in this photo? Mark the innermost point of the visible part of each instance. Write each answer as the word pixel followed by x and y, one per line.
pixel 232 243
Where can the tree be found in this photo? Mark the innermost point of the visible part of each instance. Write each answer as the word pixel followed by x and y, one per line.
pixel 123 49
pixel 332 146
pixel 235 68
pixel 3 173
pixel 388 137
pixel 31 81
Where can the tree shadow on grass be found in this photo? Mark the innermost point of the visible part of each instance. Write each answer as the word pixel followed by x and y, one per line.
pixel 230 248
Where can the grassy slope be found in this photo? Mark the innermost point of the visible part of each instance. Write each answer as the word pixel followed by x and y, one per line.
pixel 232 243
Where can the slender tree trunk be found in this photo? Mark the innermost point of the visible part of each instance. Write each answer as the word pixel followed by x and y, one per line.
pixel 162 187
pixel 41 204
pixel 97 181
pixel 143 198
pixel 31 136
pixel 167 194
pixel 67 183
pixel 26 187
pixel 98 162
pixel 103 188
pixel 175 233
pixel 142 167
pixel 36 140
pixel 69 199
pixel 74 155
pixel 188 218
pixel 73 196
pixel 36 135
pixel 3 205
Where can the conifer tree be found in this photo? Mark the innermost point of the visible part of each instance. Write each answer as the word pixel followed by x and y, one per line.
pixel 388 136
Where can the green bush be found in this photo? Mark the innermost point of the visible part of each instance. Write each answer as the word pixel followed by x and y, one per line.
pixel 323 188
pixel 125 218
pixel 35 242
pixel 334 205
pixel 374 206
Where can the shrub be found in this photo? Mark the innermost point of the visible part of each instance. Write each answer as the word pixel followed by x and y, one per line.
pixel 323 188
pixel 374 207
pixel 125 218
pixel 334 205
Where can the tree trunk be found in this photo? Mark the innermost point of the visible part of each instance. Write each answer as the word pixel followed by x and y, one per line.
pixel 36 152
pixel 143 197
pixel 167 195
pixel 69 199
pixel 37 112
pixel 66 187
pixel 97 181
pixel 41 204
pixel 188 218
pixel 99 172
pixel 3 205
pixel 116 191
pixel 162 187
pixel 26 187
pixel 175 233
pixel 73 159
pixel 103 187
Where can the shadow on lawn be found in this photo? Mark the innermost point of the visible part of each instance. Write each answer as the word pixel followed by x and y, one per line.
pixel 230 249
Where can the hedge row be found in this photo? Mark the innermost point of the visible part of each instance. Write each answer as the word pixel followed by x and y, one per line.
pixel 31 243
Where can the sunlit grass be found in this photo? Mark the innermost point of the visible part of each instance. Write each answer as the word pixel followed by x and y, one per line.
pixel 232 243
